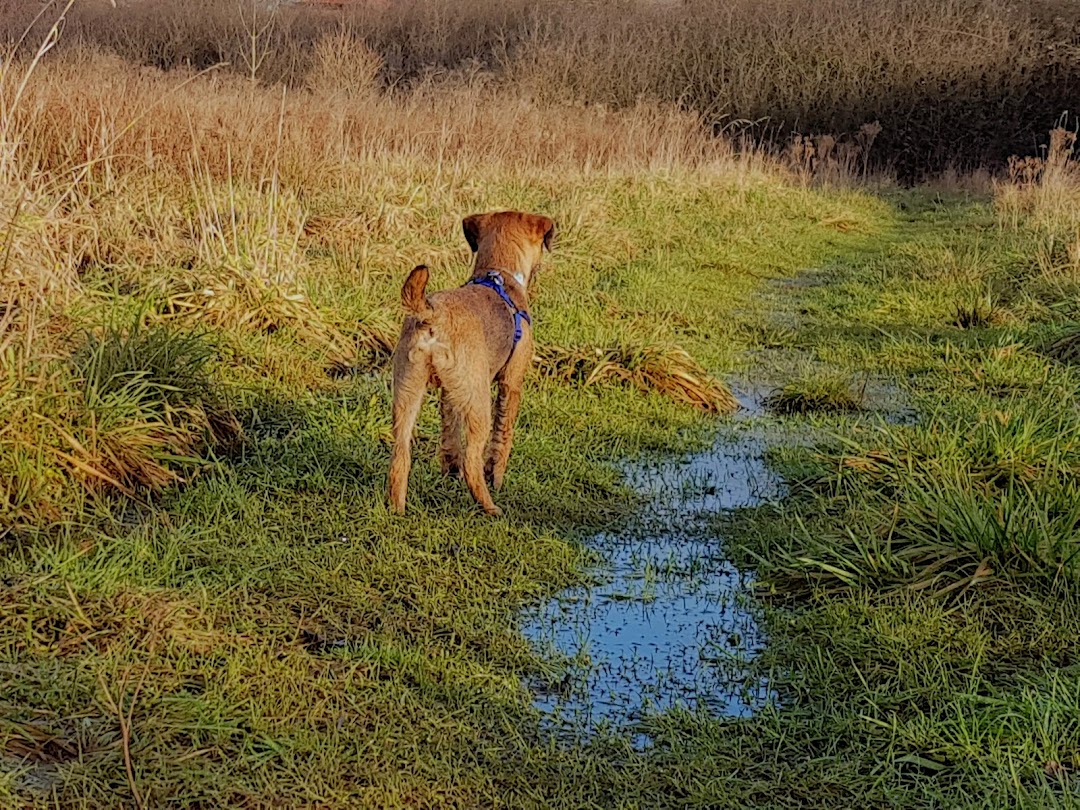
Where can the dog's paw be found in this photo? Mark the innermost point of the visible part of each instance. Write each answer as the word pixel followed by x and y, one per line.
pixel 493 510
pixel 493 477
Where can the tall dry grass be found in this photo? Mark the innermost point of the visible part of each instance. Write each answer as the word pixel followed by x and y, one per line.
pixel 1043 193
pixel 1042 196
pixel 205 195
pixel 960 82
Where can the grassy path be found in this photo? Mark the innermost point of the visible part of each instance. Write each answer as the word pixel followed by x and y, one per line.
pixel 921 573
pixel 269 634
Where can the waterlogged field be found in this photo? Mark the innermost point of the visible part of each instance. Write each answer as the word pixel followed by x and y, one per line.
pixel 271 626
pixel 857 592
pixel 666 621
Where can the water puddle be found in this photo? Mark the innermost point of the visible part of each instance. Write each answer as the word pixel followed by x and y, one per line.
pixel 667 621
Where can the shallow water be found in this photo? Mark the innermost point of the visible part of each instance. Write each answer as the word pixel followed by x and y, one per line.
pixel 667 621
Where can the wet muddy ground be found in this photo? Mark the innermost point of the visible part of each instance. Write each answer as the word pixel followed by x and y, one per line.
pixel 667 621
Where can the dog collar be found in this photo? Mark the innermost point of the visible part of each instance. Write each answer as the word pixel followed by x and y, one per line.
pixel 493 280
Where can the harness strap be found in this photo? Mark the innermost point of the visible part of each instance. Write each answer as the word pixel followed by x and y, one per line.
pixel 493 280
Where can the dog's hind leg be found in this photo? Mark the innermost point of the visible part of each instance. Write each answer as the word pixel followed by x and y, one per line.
pixel 410 385
pixel 450 446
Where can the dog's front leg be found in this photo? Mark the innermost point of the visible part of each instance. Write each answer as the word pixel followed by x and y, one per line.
pixel 507 405
pixel 477 430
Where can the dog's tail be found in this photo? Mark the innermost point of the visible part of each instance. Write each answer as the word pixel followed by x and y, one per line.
pixel 413 293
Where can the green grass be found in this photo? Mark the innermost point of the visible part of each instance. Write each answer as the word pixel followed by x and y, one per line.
pixel 266 632
pixel 273 631
pixel 813 390
pixel 922 574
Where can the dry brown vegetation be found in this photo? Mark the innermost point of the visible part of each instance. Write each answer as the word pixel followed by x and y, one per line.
pixel 962 82
pixel 671 371
pixel 1042 194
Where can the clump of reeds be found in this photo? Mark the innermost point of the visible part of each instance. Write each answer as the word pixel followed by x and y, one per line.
pixel 816 391
pixel 669 371
pixel 148 408
pixel 344 69
pixel 234 300
pixel 131 410
pixel 1042 191
pixel 828 158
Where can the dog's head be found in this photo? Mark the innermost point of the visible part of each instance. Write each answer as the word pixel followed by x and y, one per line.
pixel 510 241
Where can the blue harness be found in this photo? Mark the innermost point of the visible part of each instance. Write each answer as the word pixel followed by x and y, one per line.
pixel 494 281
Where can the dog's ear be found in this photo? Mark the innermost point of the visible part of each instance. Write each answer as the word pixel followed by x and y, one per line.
pixel 471 226
pixel 549 232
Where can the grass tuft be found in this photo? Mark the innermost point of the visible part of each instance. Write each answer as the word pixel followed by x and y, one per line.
pixel 817 391
pixel 150 408
pixel 669 371
pixel 980 313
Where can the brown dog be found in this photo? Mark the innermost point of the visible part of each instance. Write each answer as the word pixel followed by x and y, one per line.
pixel 463 340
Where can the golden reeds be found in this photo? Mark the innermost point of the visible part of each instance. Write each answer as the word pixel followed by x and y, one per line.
pixel 669 371
pixel 961 81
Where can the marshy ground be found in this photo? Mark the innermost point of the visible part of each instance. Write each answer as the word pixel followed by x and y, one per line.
pixel 859 592
pixel 898 630
pixel 666 621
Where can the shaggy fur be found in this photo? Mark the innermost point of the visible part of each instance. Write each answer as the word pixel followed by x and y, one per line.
pixel 462 340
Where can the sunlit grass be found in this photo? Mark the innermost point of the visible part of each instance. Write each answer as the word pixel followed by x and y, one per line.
pixel 206 601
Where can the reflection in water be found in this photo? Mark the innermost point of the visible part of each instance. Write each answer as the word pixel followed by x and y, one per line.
pixel 666 623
